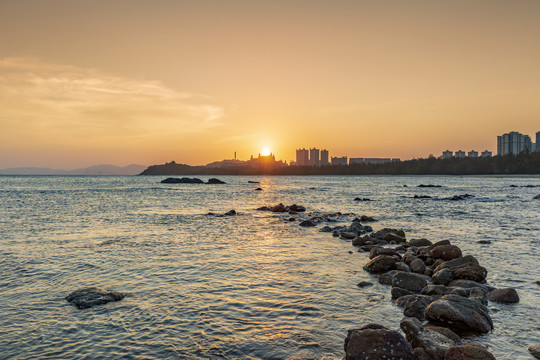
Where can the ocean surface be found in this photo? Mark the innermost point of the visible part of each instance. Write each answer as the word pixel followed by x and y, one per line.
pixel 250 286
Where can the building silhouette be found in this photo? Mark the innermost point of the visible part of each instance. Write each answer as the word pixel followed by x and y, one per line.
pixel 487 153
pixel 447 154
pixel 339 161
pixel 314 159
pixel 472 154
pixel 537 141
pixel 324 158
pixel 514 143
pixel 356 161
pixel 302 157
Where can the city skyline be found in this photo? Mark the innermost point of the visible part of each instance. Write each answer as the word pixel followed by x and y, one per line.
pixel 138 82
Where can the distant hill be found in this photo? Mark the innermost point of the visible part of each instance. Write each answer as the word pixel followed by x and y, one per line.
pixel 103 169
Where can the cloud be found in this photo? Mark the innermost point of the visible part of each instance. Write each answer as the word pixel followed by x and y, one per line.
pixel 48 102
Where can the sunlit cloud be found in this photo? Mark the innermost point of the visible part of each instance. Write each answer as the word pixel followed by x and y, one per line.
pixel 52 103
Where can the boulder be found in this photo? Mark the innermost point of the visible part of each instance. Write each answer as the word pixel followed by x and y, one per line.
pixel 386 278
pixel 398 292
pixel 442 277
pixel 402 301
pixel 445 252
pixel 535 349
pixel 307 223
pixel 401 266
pixel 230 213
pixel 409 256
pixel 469 351
pixel 409 281
pixel 468 284
pixel 470 272
pixel 436 290
pixel 86 298
pixel 376 251
pixel 376 343
pixel 419 242
pixel 297 208
pixel 380 264
pixel 505 296
pixel 215 181
pixel 394 237
pixel 417 266
pixel 467 259
pixel 441 242
pixel 182 181
pixel 258 189
pixel 459 313
pixel 363 284
pixel 432 342
pixel 445 331
pixel 359 241
pixel 366 218
pixel 415 307
pixel 381 233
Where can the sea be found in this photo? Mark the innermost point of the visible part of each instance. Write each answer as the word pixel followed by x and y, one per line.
pixel 255 285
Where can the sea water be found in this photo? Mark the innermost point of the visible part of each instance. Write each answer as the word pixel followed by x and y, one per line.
pixel 250 286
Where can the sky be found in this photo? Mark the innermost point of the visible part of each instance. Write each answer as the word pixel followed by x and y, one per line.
pixel 146 82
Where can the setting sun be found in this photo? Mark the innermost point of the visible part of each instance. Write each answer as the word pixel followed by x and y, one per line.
pixel 266 152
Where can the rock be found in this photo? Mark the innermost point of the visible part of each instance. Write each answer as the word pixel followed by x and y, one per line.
pixel 459 313
pixel 380 264
pixel 348 235
pixel 505 296
pixel 535 349
pixel 230 213
pixel 86 298
pixel 307 223
pixel 467 284
pixel 409 281
pixel 432 289
pixel 432 342
pixel 422 197
pixel 428 271
pixel 215 181
pixel 386 279
pixel 381 233
pixel 419 242
pixel 325 228
pixel 279 208
pixel 401 266
pixel 394 237
pixel 470 272
pixel 398 292
pixel 441 242
pixel 362 284
pixel 182 181
pixel 445 331
pixel 409 256
pixel 429 186
pixel 365 218
pixel 376 251
pixel 468 259
pixel 297 208
pixel 417 266
pixel 359 229
pixel 469 351
pixel 537 197
pixel 376 343
pixel 362 199
pixel 442 277
pixel 460 197
pixel 484 242
pixel 359 241
pixel 459 291
pixel 445 252
pixel 415 307
pixel 258 189
pixel 253 182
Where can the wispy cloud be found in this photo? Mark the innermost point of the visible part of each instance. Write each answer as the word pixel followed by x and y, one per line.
pixel 38 98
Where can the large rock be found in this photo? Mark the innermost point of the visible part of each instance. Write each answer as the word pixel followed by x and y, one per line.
pixel 415 307
pixel 535 349
pixel 459 313
pixel 86 298
pixel 409 281
pixel 386 278
pixel 376 342
pixel 468 284
pixel 442 277
pixel 380 264
pixel 505 296
pixel 445 252
pixel 398 292
pixel 182 181
pixel 376 251
pixel 394 237
pixel 470 272
pixel 417 266
pixel 307 223
pixel 419 242
pixel 467 259
pixel 297 208
pixel 469 351
pixel 215 181
pixel 432 342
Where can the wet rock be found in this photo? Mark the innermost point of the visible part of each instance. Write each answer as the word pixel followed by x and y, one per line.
pixel 381 233
pixel 422 197
pixel 297 208
pixel 416 307
pixel 459 313
pixel 182 181
pixel 380 264
pixel 401 266
pixel 394 237
pixel 386 278
pixel 535 349
pixel 408 257
pixel 348 235
pixel 376 343
pixel 505 296
pixel 86 298
pixel 258 189
pixel 362 199
pixel 460 197
pixel 445 252
pixel 230 213
pixel 467 259
pixel 402 301
pixel 409 281
pixel 469 351
pixel 537 197
pixel 467 284
pixel 442 277
pixel 325 228
pixel 307 223
pixel 359 241
pixel 358 228
pixel 365 218
pixel 432 342
pixel 376 251
pixel 443 330
pixel 483 242
pixel 362 284
pixel 417 266
pixel 428 271
pixel 419 242
pixel 215 181
pixel 398 292
pixel 470 272
pixel 429 186
pixel 432 289
pixel 441 242
pixel 253 182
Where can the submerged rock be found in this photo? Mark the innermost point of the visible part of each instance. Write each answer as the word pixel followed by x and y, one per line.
pixel 230 213
pixel 86 298
pixel 215 181
pixel 307 223
pixel 505 296
pixel 366 218
pixel 537 197
pixel 460 197
pixel 258 189
pixel 362 284
pixel 184 180
pixel 376 342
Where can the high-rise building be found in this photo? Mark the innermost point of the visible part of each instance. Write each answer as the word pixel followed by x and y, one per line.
pixel 514 143
pixel 339 160
pixel 447 154
pixel 460 154
pixel 472 154
pixel 314 159
pixel 302 157
pixel 487 154
pixel 324 158
pixel 538 141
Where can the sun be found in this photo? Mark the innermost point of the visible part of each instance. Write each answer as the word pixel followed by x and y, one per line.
pixel 266 152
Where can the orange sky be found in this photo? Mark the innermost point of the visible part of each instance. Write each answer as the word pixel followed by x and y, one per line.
pixel 128 81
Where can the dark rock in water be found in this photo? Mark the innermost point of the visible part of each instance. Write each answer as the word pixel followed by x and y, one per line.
pixel 467 259
pixel 432 289
pixel 307 223
pixel 326 229
pixel 376 342
pixel 215 181
pixel 535 350
pixel 292 219
pixel 418 266
pixel 230 213
pixel 537 197
pixel 279 208
pixel 401 266
pixel 365 218
pixel 405 186
pixel 253 182
pixel 348 235
pixel 386 278
pixel 433 343
pixel 86 298
pixel 258 189
pixel 483 242
pixel 470 272
pixel 460 197
pixel 469 351
pixel 380 264
pixel 442 277
pixel 398 292
pixel 429 186
pixel 419 242
pixel 182 181
pixel 394 237
pixel 409 281
pixel 415 308
pixel 468 284
pixel 445 252
pixel 297 208
pixel 362 199
pixel 422 197
pixel 376 251
pixel 505 296
pixel 459 313
pixel 362 284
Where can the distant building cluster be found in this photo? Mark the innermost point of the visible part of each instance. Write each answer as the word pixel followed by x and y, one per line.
pixel 461 154
pixel 515 143
pixel 316 157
